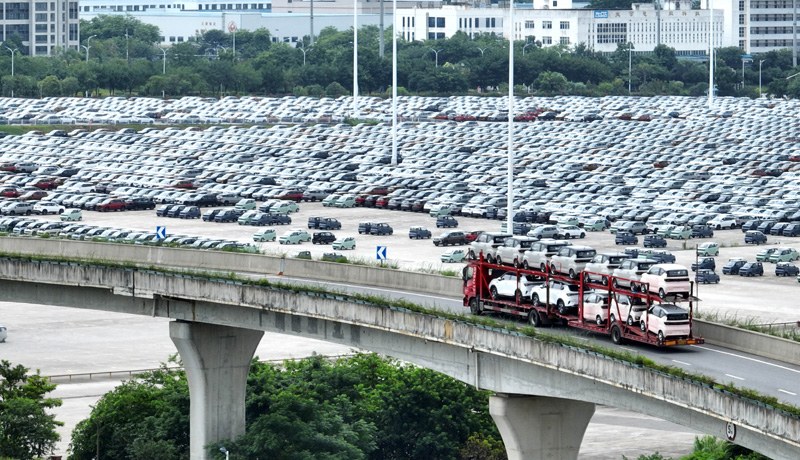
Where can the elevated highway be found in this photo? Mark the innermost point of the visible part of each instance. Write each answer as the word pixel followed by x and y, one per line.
pixel 545 391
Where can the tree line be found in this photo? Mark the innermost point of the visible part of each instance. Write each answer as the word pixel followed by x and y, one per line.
pixel 207 65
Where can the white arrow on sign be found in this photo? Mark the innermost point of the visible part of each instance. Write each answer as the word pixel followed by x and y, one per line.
pixel 161 232
pixel 381 253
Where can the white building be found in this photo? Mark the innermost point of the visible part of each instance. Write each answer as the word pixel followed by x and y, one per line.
pixel 555 22
pixel 167 6
pixel 43 27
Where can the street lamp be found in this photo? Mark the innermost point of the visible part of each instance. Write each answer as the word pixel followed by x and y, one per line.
pixel 88 46
pixel 227 452
pixel 14 51
pixel 481 49
pixel 526 45
pixel 355 59
pixel 304 53
pixel 630 62
pixel 164 59
pixel 759 77
pixel 437 55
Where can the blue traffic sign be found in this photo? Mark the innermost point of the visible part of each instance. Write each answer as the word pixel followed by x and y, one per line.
pixel 381 253
pixel 161 232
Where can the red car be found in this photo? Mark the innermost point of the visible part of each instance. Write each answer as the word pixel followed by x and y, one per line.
pixel 9 192
pixel 472 236
pixel 44 184
pixel 382 202
pixel 294 195
pixel 182 184
pixel 111 204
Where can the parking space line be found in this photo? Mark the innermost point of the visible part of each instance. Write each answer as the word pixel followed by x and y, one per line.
pixel 734 377
pixel 787 392
pixel 680 362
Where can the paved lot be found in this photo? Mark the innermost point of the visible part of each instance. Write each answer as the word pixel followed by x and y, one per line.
pixel 734 295
pixel 71 341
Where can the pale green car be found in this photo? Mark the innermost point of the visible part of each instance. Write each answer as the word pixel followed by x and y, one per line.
pixel 247 218
pixel 247 204
pixel 784 255
pixel 71 215
pixel 347 242
pixel 568 220
pixel 666 230
pixel 594 224
pixel 681 232
pixel 345 201
pixel 330 200
pixel 454 256
pixel 708 249
pixel 439 210
pixel 294 237
pixel 266 234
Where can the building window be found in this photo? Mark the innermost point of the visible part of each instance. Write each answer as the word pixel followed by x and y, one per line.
pixel 41 39
pixel 547 40
pixel 73 32
pixel 172 39
pixel 41 50
pixel 17 11
pixel 431 36
pixel 529 24
pixel 493 22
pixel 547 24
pixel 41 28
pixel 180 39
pixel 41 17
pixel 612 33
pixel 564 25
pixel 564 40
pixel 439 22
pixel 40 6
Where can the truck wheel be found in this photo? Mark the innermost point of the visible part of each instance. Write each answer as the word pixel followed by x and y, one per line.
pixel 660 336
pixel 494 292
pixel 534 319
pixel 561 307
pixel 572 274
pixel 616 335
pixel 643 327
pixel 535 299
pixel 599 320
pixel 475 306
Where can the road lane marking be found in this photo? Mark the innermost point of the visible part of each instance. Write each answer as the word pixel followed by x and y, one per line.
pixel 751 359
pixel 734 377
pixel 787 392
pixel 680 362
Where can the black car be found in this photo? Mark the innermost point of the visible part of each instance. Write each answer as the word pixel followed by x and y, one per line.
pixel 755 237
pixel 313 222
pixel 791 230
pixel 323 238
pixel 417 233
pixel 626 238
pixel 227 215
pixel 654 241
pixel 752 269
pixel 450 238
pixel 380 229
pixel 705 263
pixel 329 223
pixel 663 257
pixel 211 214
pixel 447 222
pixel 702 231
pixel 365 227
pixel 190 212
pixel 140 203
pixel 733 266
pixel 278 219
pixel 751 225
pixel 786 269
pixel 175 211
pixel 164 209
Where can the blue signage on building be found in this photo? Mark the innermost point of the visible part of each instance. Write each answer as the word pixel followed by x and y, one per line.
pixel 601 14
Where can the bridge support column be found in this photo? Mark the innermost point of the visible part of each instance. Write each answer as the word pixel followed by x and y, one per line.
pixel 540 428
pixel 217 362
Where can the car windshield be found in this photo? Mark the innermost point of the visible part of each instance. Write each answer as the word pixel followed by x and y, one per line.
pixel 646 265
pixel 616 260
pixel 586 254
pixel 676 273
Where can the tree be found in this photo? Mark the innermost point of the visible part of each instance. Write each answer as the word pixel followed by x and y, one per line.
pixel 335 90
pixel 550 83
pixel 26 430
pixel 50 86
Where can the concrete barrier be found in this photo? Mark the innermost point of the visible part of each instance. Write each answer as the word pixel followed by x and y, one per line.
pixel 757 343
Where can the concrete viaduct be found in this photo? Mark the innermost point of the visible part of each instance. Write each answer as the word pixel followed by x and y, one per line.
pixel 545 392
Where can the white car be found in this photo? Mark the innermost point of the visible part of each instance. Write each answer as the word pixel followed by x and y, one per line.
pixel 667 279
pixel 512 251
pixel 565 296
pixel 630 271
pixel 603 264
pixel 721 222
pixel 506 285
pixel 595 307
pixel 627 309
pixel 667 321
pixel 47 207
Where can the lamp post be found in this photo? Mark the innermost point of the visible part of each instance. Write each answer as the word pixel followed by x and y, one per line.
pixel 481 49
pixel 13 52
pixel 226 451
pixel 355 58
pixel 526 45
pixel 710 55
pixel 164 59
pixel 510 156
pixel 394 82
pixel 437 55
pixel 304 53
pixel 759 77
pixel 630 63
pixel 88 46
pixel 127 55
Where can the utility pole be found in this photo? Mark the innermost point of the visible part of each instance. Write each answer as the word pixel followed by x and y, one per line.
pixel 794 33
pixel 13 52
pixel 311 23
pixel 630 62
pixel 355 59
pixel 380 38
pixel 657 4
pixel 710 54
pixel 164 64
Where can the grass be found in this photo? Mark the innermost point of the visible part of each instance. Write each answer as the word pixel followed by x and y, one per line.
pixel 487 322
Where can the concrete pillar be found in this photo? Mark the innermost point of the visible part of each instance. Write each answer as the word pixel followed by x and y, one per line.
pixel 217 362
pixel 540 428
